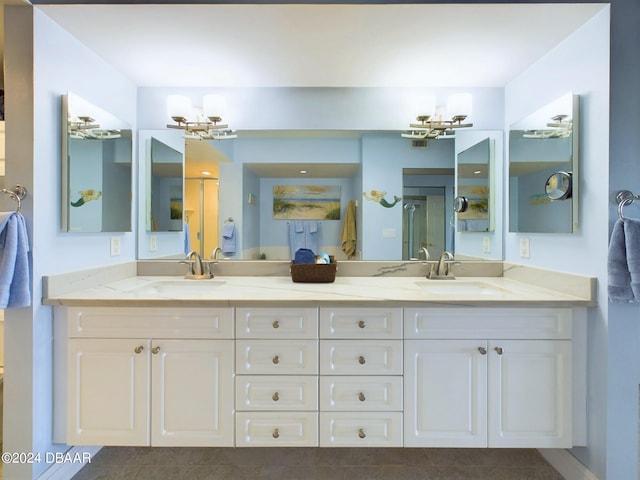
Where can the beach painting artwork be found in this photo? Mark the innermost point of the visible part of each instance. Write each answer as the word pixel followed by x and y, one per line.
pixel 306 202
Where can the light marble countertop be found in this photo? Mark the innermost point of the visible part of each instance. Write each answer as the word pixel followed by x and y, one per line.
pixel 243 290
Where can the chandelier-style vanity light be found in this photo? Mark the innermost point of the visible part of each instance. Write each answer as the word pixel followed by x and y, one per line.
pixel 561 126
pixel 431 123
pixel 85 128
pixel 207 125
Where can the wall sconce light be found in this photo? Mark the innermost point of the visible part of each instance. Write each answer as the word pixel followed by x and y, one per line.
pixel 431 123
pixel 207 126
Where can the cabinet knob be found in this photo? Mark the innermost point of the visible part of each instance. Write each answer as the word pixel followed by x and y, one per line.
pixel 155 350
pixel 499 350
pixel 276 433
pixel 276 360
pixel 361 397
pixel 361 360
pixel 275 397
pixel 138 349
pixel 362 433
pixel 362 324
pixel 276 324
pixel 482 350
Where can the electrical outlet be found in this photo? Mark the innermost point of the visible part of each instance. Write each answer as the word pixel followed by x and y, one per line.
pixel 524 247
pixel 486 244
pixel 115 246
pixel 153 243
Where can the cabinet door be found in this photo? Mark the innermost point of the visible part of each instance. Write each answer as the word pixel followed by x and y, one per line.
pixel 108 392
pixel 445 393
pixel 192 399
pixel 530 393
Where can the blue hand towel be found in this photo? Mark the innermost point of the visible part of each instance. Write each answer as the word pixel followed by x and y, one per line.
pixel 619 285
pixel 632 247
pixel 187 238
pixel 14 263
pixel 304 234
pixel 229 238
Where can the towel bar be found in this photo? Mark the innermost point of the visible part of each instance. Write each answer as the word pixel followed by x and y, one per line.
pixel 17 192
pixel 625 197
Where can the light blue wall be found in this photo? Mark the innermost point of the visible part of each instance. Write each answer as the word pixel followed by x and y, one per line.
pixel 62 65
pixel 564 69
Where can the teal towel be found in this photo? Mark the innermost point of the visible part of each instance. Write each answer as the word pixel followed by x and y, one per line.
pixel 14 262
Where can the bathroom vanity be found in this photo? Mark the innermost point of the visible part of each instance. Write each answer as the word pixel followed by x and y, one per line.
pixel 364 361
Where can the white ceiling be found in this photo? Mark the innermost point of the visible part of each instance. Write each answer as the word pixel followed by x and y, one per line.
pixel 335 45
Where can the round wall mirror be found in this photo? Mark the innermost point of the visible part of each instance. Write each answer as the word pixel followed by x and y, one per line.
pixel 558 186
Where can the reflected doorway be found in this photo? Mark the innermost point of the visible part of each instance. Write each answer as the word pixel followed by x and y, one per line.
pixel 424 222
pixel 201 214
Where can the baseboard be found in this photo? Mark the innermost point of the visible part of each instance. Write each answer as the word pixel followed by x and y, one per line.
pixel 64 470
pixel 566 464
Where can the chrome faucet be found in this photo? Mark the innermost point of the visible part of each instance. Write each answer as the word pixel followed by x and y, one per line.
pixel 442 268
pixel 426 253
pixel 216 251
pixel 196 267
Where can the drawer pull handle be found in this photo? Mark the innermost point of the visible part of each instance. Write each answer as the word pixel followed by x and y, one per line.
pixel 362 324
pixel 361 360
pixel 276 324
pixel 361 397
pixel 138 349
pixel 482 350
pixel 276 360
pixel 361 433
pixel 275 397
pixel 276 433
pixel 499 350
pixel 155 350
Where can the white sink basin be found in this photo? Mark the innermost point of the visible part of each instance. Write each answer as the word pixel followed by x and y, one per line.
pixel 458 288
pixel 182 288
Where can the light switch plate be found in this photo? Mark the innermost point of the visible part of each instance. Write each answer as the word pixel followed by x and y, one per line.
pixel 389 232
pixel 115 246
pixel 524 247
pixel 153 243
pixel 486 244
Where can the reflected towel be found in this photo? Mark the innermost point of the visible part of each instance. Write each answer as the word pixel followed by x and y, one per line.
pixel 187 238
pixel 229 238
pixel 304 234
pixel 348 236
pixel 14 262
pixel 632 247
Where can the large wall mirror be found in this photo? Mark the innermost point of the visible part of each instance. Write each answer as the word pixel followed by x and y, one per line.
pixel 543 169
pixel 96 169
pixel 402 195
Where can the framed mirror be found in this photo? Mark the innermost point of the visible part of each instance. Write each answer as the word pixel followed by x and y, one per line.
pixel 165 211
pixel 474 201
pixel 543 169
pixel 96 169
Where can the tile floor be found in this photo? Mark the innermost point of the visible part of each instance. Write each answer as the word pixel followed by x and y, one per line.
pixel 132 463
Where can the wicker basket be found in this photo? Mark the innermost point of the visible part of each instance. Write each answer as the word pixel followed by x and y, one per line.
pixel 314 272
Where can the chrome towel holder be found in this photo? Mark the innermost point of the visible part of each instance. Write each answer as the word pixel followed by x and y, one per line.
pixel 17 192
pixel 625 197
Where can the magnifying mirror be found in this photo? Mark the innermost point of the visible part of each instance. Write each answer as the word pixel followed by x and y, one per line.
pixel 460 204
pixel 558 186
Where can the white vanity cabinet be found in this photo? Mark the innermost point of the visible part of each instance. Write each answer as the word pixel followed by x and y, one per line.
pixel 144 376
pixel 276 377
pixel 496 377
pixel 361 377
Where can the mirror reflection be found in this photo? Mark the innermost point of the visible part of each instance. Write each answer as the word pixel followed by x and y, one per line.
pixel 165 207
pixel 543 164
pixel 96 169
pixel 472 203
pixel 387 178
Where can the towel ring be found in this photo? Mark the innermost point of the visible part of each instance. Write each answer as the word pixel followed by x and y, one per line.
pixel 17 193
pixel 624 198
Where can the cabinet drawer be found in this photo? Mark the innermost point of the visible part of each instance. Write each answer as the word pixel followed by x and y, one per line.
pixel 277 323
pixel 344 393
pixel 108 322
pixel 355 429
pixel 291 429
pixel 276 392
pixel 298 357
pixel 361 323
pixel 482 323
pixel 366 357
